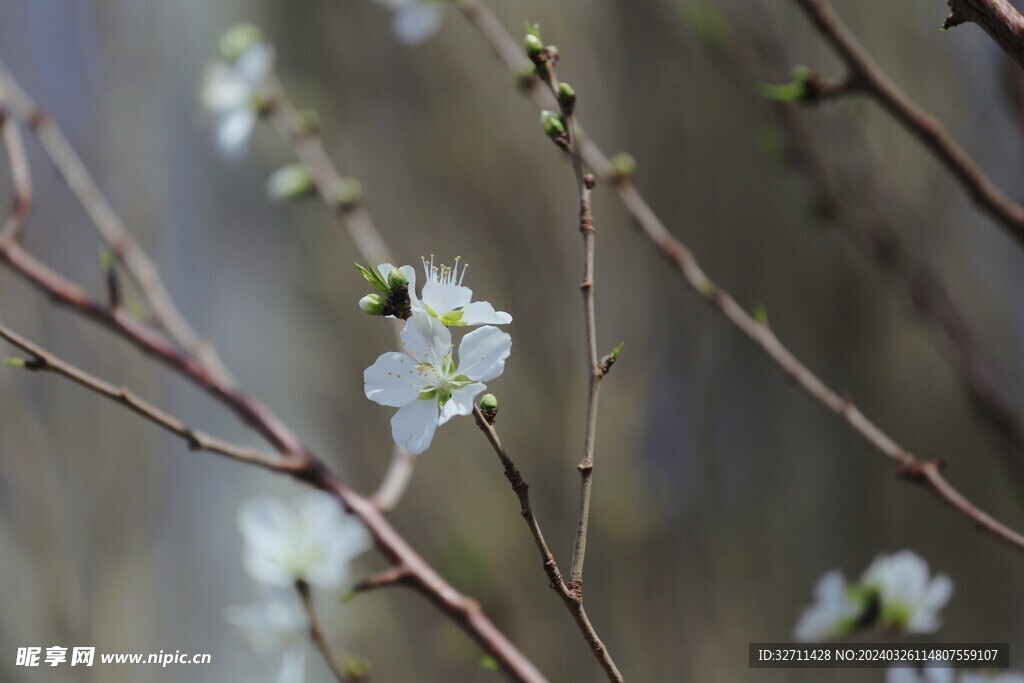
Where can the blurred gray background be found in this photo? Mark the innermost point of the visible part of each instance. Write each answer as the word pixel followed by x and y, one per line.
pixel 721 492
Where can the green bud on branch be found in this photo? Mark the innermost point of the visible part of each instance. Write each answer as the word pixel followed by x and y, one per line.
pixel 237 39
pixel 623 166
pixel 290 183
pixel 534 47
pixel 373 304
pixel 348 192
pixel 552 124
pixel 397 279
pixel 489 407
pixel 566 98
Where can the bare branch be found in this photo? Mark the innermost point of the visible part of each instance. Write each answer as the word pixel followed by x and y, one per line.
pixel 127 249
pixel 297 459
pixel 572 599
pixel 919 123
pixel 998 18
pixel 316 634
pixel 682 260
pixel 352 216
pixel 41 360
pixel 21 179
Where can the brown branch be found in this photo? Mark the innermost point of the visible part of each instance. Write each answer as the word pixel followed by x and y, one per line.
pixel 853 200
pixel 919 123
pixel 21 178
pixel 572 599
pixel 113 231
pixel 41 360
pixel 297 459
pixel 352 216
pixel 683 261
pixel 545 63
pixel 998 18
pixel 396 575
pixel 316 634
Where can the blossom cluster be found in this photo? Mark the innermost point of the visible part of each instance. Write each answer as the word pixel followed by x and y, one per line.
pixel 428 380
pixel 896 594
pixel 311 541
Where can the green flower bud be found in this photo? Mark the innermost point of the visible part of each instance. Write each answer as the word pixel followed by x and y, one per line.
pixel 238 39
pixel 566 96
pixel 551 123
pixel 623 166
pixel 397 279
pixel 533 46
pixel 349 192
pixel 489 407
pixel 290 182
pixel 373 304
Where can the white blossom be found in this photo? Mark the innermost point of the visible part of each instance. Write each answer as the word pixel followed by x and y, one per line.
pixel 275 626
pixel 311 540
pixel 416 21
pixel 232 90
pixel 834 612
pixel 426 383
pixel 910 600
pixel 445 297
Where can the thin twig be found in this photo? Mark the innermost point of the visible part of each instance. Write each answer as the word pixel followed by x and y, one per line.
pixel 853 201
pixel 352 215
pixel 297 459
pixel 998 18
pixel 392 576
pixel 682 260
pixel 21 177
pixel 584 187
pixel 41 360
pixel 573 600
pixel 316 634
pixel 113 231
pixel 871 79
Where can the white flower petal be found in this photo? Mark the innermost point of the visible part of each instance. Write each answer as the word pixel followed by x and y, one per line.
pixel 222 88
pixel 445 298
pixel 234 129
pixel 255 63
pixel 293 665
pixel 483 313
pixel 392 380
pixel 461 401
pixel 415 23
pixel 413 426
pixel 426 339
pixel 482 353
pixel 269 626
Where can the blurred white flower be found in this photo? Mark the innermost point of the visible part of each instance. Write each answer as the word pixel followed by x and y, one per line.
pixel 834 612
pixel 930 674
pixel 910 600
pixel 445 298
pixel 232 88
pixel 426 384
pixel 415 20
pixel 275 626
pixel 311 540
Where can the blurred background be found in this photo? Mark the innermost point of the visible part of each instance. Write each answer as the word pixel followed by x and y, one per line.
pixel 721 492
